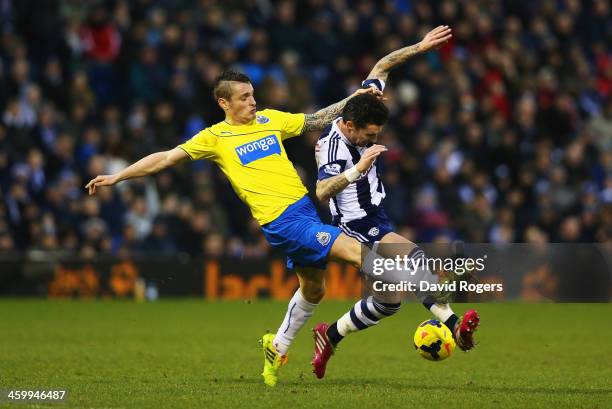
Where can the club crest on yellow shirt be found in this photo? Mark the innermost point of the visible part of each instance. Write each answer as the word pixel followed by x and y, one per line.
pixel 261 119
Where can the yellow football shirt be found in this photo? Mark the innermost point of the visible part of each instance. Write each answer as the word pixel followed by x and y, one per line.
pixel 253 158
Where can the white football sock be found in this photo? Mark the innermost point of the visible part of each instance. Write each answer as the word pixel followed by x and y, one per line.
pixel 441 311
pixel 298 312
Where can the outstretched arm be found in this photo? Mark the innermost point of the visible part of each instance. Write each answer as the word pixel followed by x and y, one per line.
pixel 323 117
pixel 148 165
pixel 433 40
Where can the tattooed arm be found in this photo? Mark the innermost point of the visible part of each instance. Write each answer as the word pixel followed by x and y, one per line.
pixel 330 187
pixel 323 117
pixel 433 40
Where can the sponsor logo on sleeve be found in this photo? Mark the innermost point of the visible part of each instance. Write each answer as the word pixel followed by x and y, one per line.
pixel 333 169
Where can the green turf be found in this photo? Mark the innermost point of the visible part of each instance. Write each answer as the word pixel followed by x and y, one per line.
pixel 187 354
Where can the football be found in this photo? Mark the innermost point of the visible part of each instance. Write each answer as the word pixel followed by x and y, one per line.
pixel 434 341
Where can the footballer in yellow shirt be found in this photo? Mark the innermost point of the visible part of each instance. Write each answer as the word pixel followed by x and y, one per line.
pixel 253 158
pixel 248 147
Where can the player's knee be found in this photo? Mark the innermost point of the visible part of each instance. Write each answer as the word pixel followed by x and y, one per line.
pixel 348 250
pixel 313 290
pixel 393 245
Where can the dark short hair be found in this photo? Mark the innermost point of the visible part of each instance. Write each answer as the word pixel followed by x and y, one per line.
pixel 223 88
pixel 365 109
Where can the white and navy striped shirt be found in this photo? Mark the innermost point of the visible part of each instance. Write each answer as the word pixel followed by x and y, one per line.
pixel 334 154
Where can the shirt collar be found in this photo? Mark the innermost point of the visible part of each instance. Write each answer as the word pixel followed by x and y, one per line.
pixel 336 128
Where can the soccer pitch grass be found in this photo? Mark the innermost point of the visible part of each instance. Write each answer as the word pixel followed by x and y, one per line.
pixel 194 354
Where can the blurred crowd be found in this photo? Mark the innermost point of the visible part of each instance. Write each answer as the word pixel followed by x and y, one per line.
pixel 503 135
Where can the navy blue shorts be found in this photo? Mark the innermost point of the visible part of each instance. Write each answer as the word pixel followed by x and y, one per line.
pixel 368 229
pixel 300 233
